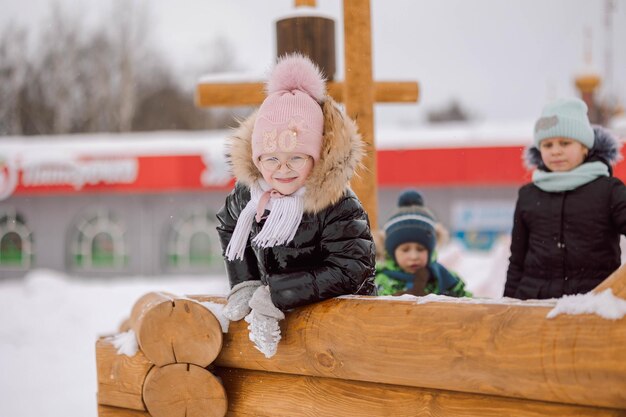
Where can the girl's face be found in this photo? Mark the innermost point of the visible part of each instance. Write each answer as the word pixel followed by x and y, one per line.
pixel 562 154
pixel 411 256
pixel 286 172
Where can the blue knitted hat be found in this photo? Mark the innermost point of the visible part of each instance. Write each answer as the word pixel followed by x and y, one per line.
pixel 412 223
pixel 567 118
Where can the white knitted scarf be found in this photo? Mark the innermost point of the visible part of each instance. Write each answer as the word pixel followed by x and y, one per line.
pixel 280 226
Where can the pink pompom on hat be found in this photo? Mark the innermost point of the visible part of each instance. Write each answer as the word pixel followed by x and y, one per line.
pixel 290 119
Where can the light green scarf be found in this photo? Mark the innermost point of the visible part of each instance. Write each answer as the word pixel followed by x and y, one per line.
pixel 554 182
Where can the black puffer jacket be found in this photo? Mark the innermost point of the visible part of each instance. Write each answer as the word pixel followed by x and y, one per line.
pixel 331 254
pixel 567 242
pixel 333 250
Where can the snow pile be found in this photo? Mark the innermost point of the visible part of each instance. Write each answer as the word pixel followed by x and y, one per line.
pixel 125 343
pixel 603 304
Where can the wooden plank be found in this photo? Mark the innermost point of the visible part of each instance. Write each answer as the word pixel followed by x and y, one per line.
pixel 505 349
pixel 257 393
pixel 106 411
pixel 120 377
pixel 253 93
pixel 359 98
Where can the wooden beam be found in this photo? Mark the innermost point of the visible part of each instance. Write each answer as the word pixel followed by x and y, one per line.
pixel 503 349
pixel 257 393
pixel 120 377
pixel 253 93
pixel 359 97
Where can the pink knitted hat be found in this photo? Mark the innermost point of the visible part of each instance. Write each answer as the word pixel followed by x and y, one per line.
pixel 290 119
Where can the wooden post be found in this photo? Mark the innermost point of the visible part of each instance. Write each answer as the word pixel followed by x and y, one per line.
pixel 359 97
pixel 310 3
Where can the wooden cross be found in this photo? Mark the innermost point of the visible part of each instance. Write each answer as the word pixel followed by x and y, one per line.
pixel 358 93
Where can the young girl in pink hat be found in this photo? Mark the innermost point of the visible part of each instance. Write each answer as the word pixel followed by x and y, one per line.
pixel 292 231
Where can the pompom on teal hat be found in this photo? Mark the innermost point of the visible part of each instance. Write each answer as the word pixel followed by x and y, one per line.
pixel 565 118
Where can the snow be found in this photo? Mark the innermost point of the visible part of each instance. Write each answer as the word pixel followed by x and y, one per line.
pixel 603 304
pixel 125 343
pixel 216 309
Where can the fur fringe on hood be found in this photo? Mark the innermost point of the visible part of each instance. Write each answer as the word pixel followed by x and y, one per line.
pixel 340 156
pixel 606 148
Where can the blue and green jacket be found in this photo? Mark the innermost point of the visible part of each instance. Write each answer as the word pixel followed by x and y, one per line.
pixel 390 280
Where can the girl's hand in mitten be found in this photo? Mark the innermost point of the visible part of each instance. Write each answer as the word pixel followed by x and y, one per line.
pixel 237 306
pixel 263 322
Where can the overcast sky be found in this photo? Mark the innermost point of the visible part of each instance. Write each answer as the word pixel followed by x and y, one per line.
pixel 501 59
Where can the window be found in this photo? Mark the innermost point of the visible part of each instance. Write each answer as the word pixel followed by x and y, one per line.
pixel 16 241
pixel 98 242
pixel 192 243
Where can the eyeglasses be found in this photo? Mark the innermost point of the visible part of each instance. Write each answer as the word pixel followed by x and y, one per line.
pixel 294 163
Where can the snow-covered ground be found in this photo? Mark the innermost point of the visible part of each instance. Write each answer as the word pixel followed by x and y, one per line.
pixel 49 323
pixel 48 327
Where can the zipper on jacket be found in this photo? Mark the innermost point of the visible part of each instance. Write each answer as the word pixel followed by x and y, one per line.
pixel 561 244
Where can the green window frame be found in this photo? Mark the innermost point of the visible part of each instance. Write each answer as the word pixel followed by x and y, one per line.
pixel 16 241
pixel 98 242
pixel 192 243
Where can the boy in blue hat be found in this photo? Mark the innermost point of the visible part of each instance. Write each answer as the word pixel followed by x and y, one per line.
pixel 410 266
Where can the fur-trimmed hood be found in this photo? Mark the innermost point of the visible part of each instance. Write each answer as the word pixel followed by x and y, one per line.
pixel 606 149
pixel 340 156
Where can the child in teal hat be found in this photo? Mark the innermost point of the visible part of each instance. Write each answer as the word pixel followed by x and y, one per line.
pixel 410 265
pixel 568 220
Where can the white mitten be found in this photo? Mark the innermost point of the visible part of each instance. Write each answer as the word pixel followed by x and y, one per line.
pixel 263 322
pixel 238 298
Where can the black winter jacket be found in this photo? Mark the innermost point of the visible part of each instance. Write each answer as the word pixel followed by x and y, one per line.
pixel 333 250
pixel 332 253
pixel 566 242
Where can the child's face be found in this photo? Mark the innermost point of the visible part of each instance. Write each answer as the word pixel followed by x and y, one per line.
pixel 562 154
pixel 411 256
pixel 286 172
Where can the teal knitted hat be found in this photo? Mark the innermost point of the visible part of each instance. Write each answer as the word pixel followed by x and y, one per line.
pixel 567 118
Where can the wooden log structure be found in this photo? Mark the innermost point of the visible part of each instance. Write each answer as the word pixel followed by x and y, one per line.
pixel 169 328
pixel 375 356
